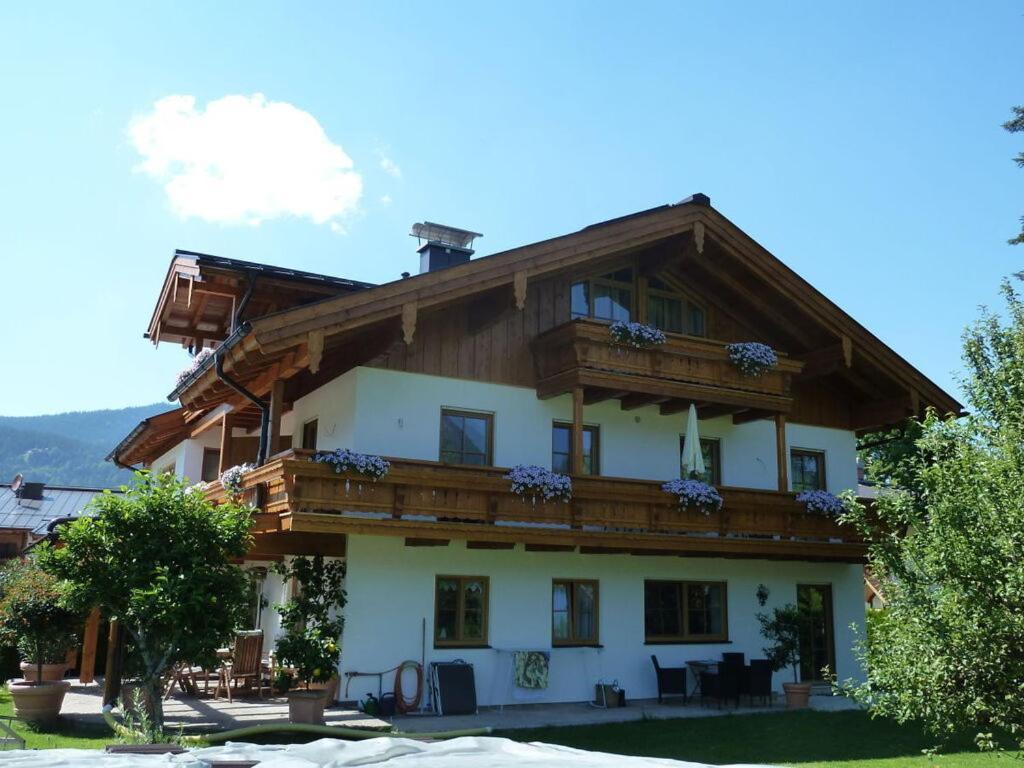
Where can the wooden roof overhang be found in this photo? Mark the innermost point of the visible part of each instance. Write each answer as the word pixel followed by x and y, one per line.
pixel 817 333
pixel 151 438
pixel 203 296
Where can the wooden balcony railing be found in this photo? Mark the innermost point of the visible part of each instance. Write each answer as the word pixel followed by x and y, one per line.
pixel 580 353
pixel 431 500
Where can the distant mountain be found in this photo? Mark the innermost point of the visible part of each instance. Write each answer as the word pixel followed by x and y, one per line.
pixel 68 448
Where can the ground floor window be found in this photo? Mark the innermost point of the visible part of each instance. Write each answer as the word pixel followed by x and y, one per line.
pixel 685 611
pixel 460 604
pixel 574 612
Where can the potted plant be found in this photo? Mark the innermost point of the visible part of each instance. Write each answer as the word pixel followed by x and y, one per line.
pixel 34 618
pixel 783 629
pixel 312 625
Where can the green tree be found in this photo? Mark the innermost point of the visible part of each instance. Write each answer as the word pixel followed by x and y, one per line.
pixel 1016 125
pixel 948 651
pixel 158 558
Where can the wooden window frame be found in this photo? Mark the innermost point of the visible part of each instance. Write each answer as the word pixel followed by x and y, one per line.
pixel 716 472
pixel 591 281
pixel 684 614
pixel 595 445
pixel 316 433
pixel 573 641
pixel 687 300
pixel 460 642
pixel 822 475
pixel 487 416
pixel 207 452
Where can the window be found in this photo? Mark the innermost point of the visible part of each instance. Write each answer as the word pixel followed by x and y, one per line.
pixel 671 312
pixel 309 435
pixel 573 612
pixel 460 604
pixel 685 611
pixel 807 470
pixel 257 578
pixel 711 451
pixel 609 297
pixel 466 438
pixel 561 449
pixel 211 465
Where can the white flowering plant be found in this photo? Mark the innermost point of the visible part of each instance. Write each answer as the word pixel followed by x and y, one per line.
pixel 822 503
pixel 694 494
pixel 198 361
pixel 231 478
pixel 636 335
pixel 752 358
pixel 343 460
pixel 529 480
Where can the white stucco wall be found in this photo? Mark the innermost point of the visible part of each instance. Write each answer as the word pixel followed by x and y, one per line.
pixel 391 591
pixel 399 414
pixel 186 457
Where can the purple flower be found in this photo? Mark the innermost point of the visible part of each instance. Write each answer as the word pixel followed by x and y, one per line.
pixel 197 362
pixel 344 460
pixel 531 480
pixel 822 503
pixel 231 478
pixel 694 493
pixel 636 335
pixel 752 357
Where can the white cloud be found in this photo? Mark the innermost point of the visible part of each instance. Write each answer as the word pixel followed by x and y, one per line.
pixel 385 200
pixel 244 160
pixel 390 167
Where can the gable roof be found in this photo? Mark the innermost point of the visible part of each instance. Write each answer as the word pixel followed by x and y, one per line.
pixel 279 344
pixel 58 502
pixel 151 437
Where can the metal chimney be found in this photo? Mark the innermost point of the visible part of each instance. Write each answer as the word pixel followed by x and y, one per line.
pixel 441 246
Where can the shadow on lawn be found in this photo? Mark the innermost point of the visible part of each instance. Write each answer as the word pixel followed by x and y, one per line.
pixel 774 738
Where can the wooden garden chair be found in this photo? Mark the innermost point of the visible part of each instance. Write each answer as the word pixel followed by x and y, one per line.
pixel 246 664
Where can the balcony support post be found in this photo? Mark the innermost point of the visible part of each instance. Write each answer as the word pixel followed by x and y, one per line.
pixel 276 409
pixel 577 431
pixel 227 423
pixel 781 452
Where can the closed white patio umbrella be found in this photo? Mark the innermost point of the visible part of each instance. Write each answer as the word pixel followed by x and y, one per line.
pixel 693 458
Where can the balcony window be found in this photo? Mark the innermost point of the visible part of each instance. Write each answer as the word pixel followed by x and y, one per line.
pixel 466 437
pixel 460 604
pixel 309 430
pixel 561 449
pixel 609 297
pixel 807 470
pixel 685 611
pixel 671 311
pixel 711 451
pixel 574 612
pixel 211 465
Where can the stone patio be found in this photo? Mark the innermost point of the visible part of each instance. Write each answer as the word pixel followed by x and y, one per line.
pixel 206 714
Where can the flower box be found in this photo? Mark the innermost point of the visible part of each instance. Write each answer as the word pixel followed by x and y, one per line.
pixel 752 358
pixel 635 335
pixel 694 494
pixel 531 481
pixel 231 478
pixel 821 503
pixel 343 460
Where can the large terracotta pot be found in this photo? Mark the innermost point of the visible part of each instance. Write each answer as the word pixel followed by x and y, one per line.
pixel 50 671
pixel 329 689
pixel 797 695
pixel 38 702
pixel 306 707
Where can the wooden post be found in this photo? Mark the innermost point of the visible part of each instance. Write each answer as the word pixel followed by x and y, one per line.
pixel 115 652
pixel 90 636
pixel 781 452
pixel 226 425
pixel 276 409
pixel 577 431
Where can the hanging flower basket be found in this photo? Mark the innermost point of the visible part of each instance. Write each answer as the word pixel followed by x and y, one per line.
pixel 531 481
pixel 635 335
pixel 821 503
pixel 197 362
pixel 231 478
pixel 694 494
pixel 343 460
pixel 752 358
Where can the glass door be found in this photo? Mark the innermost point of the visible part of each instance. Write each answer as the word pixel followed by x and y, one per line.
pixel 817 645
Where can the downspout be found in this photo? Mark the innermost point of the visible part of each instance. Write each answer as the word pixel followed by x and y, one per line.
pixel 263 452
pixel 250 285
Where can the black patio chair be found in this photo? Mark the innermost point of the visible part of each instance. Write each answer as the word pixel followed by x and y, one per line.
pixel 736 660
pixel 671 680
pixel 723 686
pixel 759 683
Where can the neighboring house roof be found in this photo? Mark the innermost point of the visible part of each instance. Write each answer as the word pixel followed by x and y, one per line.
pixel 280 344
pixel 57 502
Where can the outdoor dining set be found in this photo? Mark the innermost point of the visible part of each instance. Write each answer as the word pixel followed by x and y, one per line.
pixel 243 663
pixel 719 681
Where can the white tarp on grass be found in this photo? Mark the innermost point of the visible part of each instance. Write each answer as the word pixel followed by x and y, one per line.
pixel 477 752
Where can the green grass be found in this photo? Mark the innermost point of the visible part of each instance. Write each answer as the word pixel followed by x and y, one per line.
pixel 808 739
pixel 64 735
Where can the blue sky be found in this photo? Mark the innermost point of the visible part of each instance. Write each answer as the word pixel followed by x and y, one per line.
pixel 859 142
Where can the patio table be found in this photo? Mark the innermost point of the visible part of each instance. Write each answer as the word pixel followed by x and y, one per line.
pixel 701 665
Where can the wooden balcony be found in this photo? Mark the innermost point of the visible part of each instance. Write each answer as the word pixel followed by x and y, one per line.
pixel 427 501
pixel 580 355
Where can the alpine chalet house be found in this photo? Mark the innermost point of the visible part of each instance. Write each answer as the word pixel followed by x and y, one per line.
pixel 469 369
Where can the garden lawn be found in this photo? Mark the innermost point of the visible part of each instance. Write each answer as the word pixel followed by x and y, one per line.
pixel 64 735
pixel 848 739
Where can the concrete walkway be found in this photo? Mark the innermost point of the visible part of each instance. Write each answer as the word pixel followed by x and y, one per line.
pixel 207 714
